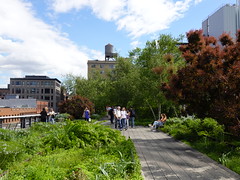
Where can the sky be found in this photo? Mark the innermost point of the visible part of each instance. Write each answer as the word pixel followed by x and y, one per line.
pixel 58 37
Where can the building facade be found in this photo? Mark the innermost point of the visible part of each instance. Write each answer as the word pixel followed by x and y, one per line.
pixel 224 20
pixel 37 87
pixel 4 92
pixel 101 68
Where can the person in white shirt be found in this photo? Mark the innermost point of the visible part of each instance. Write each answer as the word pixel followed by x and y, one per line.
pixel 117 115
pixel 123 118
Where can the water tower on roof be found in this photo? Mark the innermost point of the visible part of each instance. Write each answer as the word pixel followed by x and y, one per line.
pixel 109 54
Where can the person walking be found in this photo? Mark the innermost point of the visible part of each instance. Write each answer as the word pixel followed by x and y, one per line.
pixel 132 116
pixel 43 114
pixel 117 115
pixel 123 119
pixel 86 114
pixel 111 114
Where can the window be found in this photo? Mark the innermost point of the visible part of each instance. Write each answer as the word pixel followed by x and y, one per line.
pixel 47 98
pixel 18 90
pixel 101 65
pixel 33 90
pixel 12 82
pixel 51 97
pixel 93 65
pixel 47 91
pixel 18 83
pixel 101 72
pixel 33 83
pixel 112 66
pixel 37 91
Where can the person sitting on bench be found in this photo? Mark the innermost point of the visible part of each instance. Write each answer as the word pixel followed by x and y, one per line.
pixel 159 122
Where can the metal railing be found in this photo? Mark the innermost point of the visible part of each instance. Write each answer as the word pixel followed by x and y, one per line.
pixel 22 120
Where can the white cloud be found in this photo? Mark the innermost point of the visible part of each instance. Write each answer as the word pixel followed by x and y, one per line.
pixel 30 46
pixel 135 44
pixel 137 17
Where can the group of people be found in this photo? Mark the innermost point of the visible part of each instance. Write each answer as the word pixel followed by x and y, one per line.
pixel 122 117
pixel 47 116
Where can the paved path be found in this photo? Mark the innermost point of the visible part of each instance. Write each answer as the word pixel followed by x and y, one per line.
pixel 162 157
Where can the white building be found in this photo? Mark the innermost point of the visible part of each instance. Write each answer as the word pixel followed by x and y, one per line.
pixel 226 19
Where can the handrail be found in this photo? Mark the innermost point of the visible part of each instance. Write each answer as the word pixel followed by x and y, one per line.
pixel 23 119
pixel 20 116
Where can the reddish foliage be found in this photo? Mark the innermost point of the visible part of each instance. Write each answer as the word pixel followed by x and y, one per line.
pixel 209 85
pixel 75 106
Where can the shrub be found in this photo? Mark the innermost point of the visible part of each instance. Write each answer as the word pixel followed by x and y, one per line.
pixel 75 106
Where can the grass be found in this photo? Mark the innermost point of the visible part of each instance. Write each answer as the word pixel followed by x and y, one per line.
pixel 67 150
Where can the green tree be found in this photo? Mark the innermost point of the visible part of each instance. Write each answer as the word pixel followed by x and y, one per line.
pixel 156 63
pixel 123 83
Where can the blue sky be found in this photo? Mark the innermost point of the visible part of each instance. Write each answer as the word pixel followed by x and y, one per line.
pixel 57 37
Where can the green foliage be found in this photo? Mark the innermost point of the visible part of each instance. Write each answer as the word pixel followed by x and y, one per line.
pixel 63 117
pixel 67 150
pixel 75 106
pixel 207 136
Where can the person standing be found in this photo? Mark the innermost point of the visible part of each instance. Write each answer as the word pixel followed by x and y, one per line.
pixel 118 117
pixel 123 118
pixel 86 114
pixel 51 115
pixel 111 114
pixel 43 114
pixel 132 116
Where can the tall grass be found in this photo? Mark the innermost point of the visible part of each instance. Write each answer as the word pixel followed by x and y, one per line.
pixel 67 150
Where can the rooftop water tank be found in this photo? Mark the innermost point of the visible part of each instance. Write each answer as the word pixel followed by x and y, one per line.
pixel 108 50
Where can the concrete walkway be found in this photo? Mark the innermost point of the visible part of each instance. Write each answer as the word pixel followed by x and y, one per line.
pixel 162 157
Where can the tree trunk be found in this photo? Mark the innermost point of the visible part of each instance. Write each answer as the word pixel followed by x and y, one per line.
pixel 151 110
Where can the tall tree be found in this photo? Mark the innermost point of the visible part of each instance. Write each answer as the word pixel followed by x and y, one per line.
pixel 159 59
pixel 209 85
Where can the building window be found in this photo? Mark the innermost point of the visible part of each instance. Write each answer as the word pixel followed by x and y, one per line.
pixel 47 98
pixel 51 97
pixel 112 66
pixel 101 65
pixel 101 72
pixel 18 90
pixel 12 91
pixel 18 83
pixel 93 65
pixel 23 90
pixel 33 90
pixel 47 91
pixel 57 92
pixel 33 83
pixel 37 91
